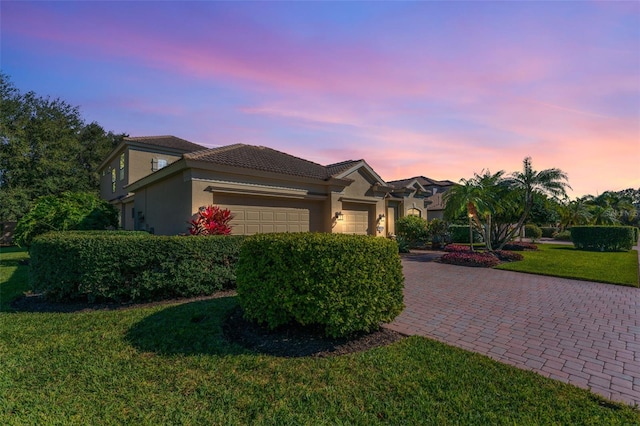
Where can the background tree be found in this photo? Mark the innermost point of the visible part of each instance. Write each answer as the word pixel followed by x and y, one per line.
pixel 45 149
pixel 529 182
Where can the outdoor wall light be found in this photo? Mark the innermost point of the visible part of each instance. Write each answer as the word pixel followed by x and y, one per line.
pixel 339 216
pixel 381 218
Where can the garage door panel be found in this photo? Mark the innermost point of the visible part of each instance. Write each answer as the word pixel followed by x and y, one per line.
pixel 254 219
pixel 356 218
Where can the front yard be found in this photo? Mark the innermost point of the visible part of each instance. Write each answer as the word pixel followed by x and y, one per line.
pixel 169 364
pixel 561 260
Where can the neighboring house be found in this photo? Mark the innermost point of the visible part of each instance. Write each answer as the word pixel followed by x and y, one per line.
pixel 130 161
pixel 430 190
pixel 265 190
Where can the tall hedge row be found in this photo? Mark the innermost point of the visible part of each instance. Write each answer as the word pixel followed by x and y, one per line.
pixel 342 283
pixel 125 266
pixel 604 238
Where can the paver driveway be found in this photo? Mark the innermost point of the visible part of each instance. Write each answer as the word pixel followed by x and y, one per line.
pixel 583 333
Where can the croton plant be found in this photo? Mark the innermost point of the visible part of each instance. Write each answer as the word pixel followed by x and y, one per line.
pixel 211 220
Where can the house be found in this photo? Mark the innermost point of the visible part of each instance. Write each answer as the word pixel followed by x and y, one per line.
pixel 266 190
pixel 430 190
pixel 133 159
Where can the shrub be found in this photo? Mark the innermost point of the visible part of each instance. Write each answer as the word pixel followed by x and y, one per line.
pixel 403 245
pixel 438 232
pixel 484 260
pixel 67 211
pixel 549 231
pixel 211 220
pixel 563 236
pixel 125 266
pixel 457 248
pixel 603 238
pixel 413 229
pixel 342 283
pixel 508 256
pixel 532 231
pixel 519 246
pixel 460 234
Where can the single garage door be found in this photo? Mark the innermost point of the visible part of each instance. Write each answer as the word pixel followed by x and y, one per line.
pixel 257 215
pixel 357 218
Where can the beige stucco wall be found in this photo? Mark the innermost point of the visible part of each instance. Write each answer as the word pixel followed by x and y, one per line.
pixel 360 192
pixel 165 205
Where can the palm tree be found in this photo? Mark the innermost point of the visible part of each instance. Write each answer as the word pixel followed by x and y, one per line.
pixel 574 213
pixel 476 197
pixel 529 182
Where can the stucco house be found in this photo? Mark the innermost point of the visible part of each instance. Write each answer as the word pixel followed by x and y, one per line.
pixel 266 190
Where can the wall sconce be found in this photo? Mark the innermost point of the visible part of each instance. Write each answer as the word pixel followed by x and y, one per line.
pixel 381 218
pixel 339 216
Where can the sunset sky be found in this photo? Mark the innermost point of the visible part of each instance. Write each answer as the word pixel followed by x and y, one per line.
pixel 440 89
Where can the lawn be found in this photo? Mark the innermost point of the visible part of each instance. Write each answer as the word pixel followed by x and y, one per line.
pixel 169 364
pixel 561 260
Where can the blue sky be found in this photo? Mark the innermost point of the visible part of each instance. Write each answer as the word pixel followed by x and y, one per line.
pixel 440 89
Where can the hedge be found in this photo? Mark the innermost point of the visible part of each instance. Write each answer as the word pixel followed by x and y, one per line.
pixel 460 234
pixel 532 231
pixel 549 231
pixel 127 266
pixel 604 238
pixel 343 284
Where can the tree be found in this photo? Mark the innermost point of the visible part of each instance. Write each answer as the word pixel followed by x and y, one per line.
pixel 64 212
pixel 479 197
pixel 575 212
pixel 530 182
pixel 45 149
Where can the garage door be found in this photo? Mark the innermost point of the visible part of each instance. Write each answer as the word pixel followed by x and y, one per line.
pixel 257 215
pixel 356 218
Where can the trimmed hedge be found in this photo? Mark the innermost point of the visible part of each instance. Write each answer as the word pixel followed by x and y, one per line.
pixel 549 231
pixel 460 234
pixel 604 238
pixel 563 236
pixel 126 266
pixel 341 283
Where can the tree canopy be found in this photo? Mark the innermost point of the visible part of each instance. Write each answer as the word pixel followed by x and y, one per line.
pixel 46 148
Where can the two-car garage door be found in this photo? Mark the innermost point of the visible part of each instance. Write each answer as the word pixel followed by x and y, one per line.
pixel 254 215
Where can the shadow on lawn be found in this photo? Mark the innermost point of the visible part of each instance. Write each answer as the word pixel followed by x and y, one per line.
pixel 186 329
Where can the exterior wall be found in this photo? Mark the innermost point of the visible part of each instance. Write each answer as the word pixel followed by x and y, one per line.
pixel 106 187
pixel 164 207
pixel 359 192
pixel 142 163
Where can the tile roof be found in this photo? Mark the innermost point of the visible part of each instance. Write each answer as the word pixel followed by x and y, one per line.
pixel 424 181
pixel 261 158
pixel 337 168
pixel 167 141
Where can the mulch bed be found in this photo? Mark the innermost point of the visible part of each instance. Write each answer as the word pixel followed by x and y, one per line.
pixel 294 341
pixel 289 341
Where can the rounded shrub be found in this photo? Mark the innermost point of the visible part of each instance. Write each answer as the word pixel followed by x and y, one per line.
pixel 549 231
pixel 532 231
pixel 476 259
pixel 413 229
pixel 342 283
pixel 563 236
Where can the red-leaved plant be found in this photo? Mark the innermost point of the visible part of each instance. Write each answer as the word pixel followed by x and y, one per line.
pixel 211 220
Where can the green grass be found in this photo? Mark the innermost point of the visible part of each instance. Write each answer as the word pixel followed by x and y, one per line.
pixel 561 260
pixel 154 365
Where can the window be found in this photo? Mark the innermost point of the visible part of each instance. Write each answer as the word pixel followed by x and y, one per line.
pixel 162 163
pixel 122 166
pixel 113 180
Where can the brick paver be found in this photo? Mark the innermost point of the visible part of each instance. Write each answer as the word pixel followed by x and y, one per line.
pixel 578 332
